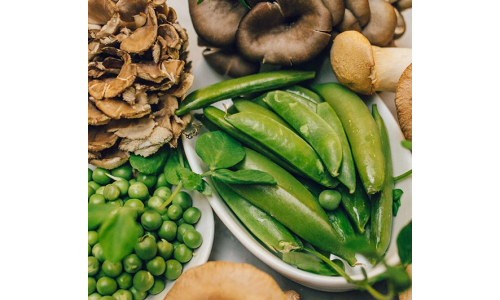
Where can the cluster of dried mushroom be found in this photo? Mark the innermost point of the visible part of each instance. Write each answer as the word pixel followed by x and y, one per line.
pixel 287 32
pixel 138 74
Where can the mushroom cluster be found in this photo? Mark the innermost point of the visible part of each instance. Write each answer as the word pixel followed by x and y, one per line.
pixel 137 75
pixel 239 37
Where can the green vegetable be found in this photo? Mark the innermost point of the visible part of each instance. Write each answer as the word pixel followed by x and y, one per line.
pixel 158 286
pixel 91 192
pixel 117 234
pixel 396 195
pixel 183 200
pixel 174 269
pixel 122 295
pixel 192 238
pixel 123 171
pixel 165 249
pixel 249 106
pixel 112 269
pixel 183 254
pixel 163 192
pixel 91 285
pixel 291 205
pixel 171 166
pixel 99 176
pixel 311 127
pixel 138 190
pixel 182 229
pixel 402 176
pixel 97 199
pixel 243 177
pixel 174 212
pixel 168 230
pixel 138 295
pixel 143 281
pixel 145 247
pixel 152 164
pixel 240 86
pixel 361 130
pixel 357 205
pixel 267 229
pixel 111 192
pixel 309 105
pixel 106 286
pixel 404 242
pixel 124 281
pixel 285 143
pixel 381 212
pixel 98 253
pixel 347 171
pixel 341 224
pixel 304 93
pixel 93 266
pixel 123 186
pixel 93 237
pixel 90 179
pixel 148 180
pixel 132 263
pixel 329 199
pixel 309 263
pixel 156 266
pixel 151 220
pixel 218 150
pixel 406 144
pixel 191 215
pixel 161 181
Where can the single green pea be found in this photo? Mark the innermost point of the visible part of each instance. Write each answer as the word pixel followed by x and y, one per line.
pixel 92 284
pixel 330 199
pixel 132 263
pixel 163 192
pixel 94 296
pixel 180 222
pixel 143 281
pixel 94 185
pixel 182 229
pixel 123 186
pixel 123 295
pixel 100 191
pixel 111 192
pixel 107 297
pixel 138 295
pixel 99 176
pixel 134 203
pixel 192 215
pixel 145 248
pixel 97 199
pixel 174 212
pixel 183 199
pixel 183 254
pixel 154 234
pixel 176 244
pixel 112 269
pixel 158 286
pixel 165 249
pixel 162 181
pixel 192 238
pixel 148 180
pixel 168 230
pixel 155 202
pixel 106 286
pixel 124 281
pixel 93 237
pixel 139 191
pixel 93 266
pixel 123 171
pixel 174 269
pixel 117 202
pixel 156 266
pixel 97 252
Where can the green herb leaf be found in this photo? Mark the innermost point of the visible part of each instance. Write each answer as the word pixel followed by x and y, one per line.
pixel 151 164
pixel 396 195
pixel 199 1
pixel 118 234
pixel 242 2
pixel 218 150
pixel 404 245
pixel 171 167
pixel 406 144
pixel 98 213
pixel 398 278
pixel 190 180
pixel 206 190
pixel 244 177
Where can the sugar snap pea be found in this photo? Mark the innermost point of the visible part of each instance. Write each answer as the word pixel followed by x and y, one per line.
pixel 307 103
pixel 292 205
pixel 308 262
pixel 381 212
pixel 241 86
pixel 304 93
pixel 260 101
pixel 347 171
pixel 216 117
pixel 356 205
pixel 269 231
pixel 341 224
pixel 316 131
pixel 361 131
pixel 248 106
pixel 285 143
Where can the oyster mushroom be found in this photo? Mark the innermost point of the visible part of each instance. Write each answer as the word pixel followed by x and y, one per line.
pixel 99 139
pixel 230 62
pixel 100 89
pixel 383 20
pixel 100 11
pixel 349 22
pixel 284 32
pixel 402 100
pixel 216 21
pixel 337 9
pixel 364 68
pixel 96 117
pixel 144 37
pixel 117 109
pixel 225 281
pixel 110 158
pixel 360 9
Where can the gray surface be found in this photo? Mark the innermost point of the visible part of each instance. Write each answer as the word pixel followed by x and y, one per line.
pixel 227 248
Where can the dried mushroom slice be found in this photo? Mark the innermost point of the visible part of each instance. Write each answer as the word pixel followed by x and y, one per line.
pixel 187 81
pixel 133 128
pixel 129 8
pixel 117 109
pixel 96 117
pixel 168 69
pixel 142 38
pixel 178 127
pixel 110 88
pixel 111 158
pixel 100 11
pixel 94 155
pixel 99 139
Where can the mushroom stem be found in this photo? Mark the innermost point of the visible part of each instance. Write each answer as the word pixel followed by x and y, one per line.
pixel 389 65
pixel 364 68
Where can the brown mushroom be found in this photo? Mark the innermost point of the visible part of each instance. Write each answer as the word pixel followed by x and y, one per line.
pixel 337 9
pixel 223 280
pixel 96 117
pixel 144 37
pixel 365 68
pixel 100 11
pixel 383 20
pixel 349 22
pixel 400 25
pixel 99 139
pixel 110 158
pixel 284 32
pixel 402 100
pixel 360 9
pixel 216 21
pixel 401 5
pixel 230 62
pixel 117 109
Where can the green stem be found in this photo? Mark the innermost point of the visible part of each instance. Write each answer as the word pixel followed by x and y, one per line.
pixel 360 284
pixel 169 200
pixel 403 176
pixel 208 173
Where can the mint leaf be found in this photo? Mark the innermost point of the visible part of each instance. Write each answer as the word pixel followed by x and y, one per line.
pixel 190 180
pixel 151 164
pixel 206 190
pixel 396 195
pixel 98 213
pixel 170 170
pixel 118 234
pixel 218 150
pixel 244 177
pixel 404 241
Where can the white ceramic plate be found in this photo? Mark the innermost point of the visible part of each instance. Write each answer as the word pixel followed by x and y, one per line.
pixel 402 162
pixel 206 227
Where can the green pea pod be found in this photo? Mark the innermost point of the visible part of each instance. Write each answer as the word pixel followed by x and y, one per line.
pixel 216 116
pixel 260 101
pixel 308 104
pixel 356 205
pixel 308 262
pixel 304 93
pixel 314 188
pixel 341 224
pixel 269 231
pixel 347 171
pixel 283 142
pixel 206 122
pixel 241 86
pixel 232 109
pixel 361 131
pixel 381 212
pixel 316 131
pixel 248 106
pixel 292 205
